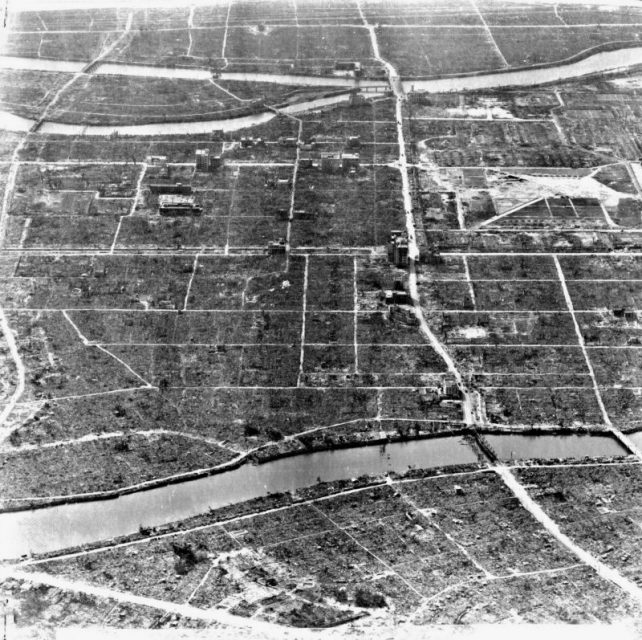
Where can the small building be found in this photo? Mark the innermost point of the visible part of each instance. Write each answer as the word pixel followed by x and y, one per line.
pixel 207 161
pixel 403 313
pixel 178 205
pixel 156 161
pixel 393 296
pixel 251 141
pixel 398 294
pixel 347 69
pixel 288 141
pixel 202 159
pixel 398 248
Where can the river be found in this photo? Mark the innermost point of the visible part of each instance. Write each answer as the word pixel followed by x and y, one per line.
pixel 60 527
pixel 601 62
pixel 12 122
pixel 510 446
pixel 54 528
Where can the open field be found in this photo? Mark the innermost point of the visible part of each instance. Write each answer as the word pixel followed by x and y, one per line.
pixel 113 99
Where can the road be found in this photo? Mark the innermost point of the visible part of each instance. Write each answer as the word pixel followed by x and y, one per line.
pixel 472 402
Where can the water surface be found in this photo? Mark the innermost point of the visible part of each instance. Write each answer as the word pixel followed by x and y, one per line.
pixel 67 525
pixel 509 446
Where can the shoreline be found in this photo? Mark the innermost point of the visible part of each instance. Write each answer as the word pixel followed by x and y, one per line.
pixel 504 79
pixel 272 452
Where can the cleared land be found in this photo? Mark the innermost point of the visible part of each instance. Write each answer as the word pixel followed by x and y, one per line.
pixel 271 321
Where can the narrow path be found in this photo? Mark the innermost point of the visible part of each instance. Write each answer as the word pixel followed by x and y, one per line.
pixel 491 37
pixel 608 218
pixel 635 172
pixel 295 173
pixel 538 513
pixel 214 615
pixel 229 93
pixel 517 207
pixel 559 17
pixel 471 287
pixel 103 53
pixel 560 130
pixel 94 437
pixel 431 523
pixel 227 27
pixel 126 31
pixel 10 187
pixel 191 280
pixel 355 305
pixel 132 209
pixel 380 560
pixel 416 615
pixel 20 369
pixel 304 309
pixel 87 343
pixel 190 26
pixel 596 387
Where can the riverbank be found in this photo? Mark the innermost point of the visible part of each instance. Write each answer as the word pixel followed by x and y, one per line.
pixel 111 514
pixel 605 60
pixel 283 500
pixel 351 436
pixel 306 558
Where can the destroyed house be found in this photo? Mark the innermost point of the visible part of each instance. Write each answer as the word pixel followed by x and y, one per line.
pixel 347 69
pixel 156 161
pixel 202 159
pixel 208 160
pixel 178 205
pixel 398 248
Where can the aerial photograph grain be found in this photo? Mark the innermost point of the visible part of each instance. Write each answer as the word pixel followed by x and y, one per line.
pixel 320 319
